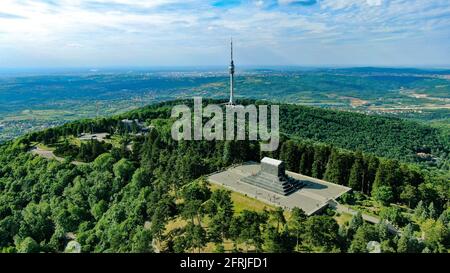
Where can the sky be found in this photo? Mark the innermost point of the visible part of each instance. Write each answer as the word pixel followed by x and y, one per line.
pixel 101 33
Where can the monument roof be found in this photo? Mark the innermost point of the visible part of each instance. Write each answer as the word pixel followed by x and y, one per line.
pixel 271 161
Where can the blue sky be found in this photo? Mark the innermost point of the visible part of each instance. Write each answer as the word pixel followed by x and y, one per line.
pixel 96 33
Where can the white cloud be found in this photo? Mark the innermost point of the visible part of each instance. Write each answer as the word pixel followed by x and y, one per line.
pixel 338 4
pixel 77 45
pixel 259 3
pixel 151 30
pixel 285 2
pixel 374 2
pixel 344 4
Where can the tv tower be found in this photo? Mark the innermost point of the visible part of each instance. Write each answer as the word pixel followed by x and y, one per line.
pixel 231 68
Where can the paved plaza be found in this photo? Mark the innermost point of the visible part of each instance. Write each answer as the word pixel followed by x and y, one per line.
pixel 97 136
pixel 312 197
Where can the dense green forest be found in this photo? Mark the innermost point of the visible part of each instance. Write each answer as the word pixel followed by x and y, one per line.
pixel 123 200
pixel 383 136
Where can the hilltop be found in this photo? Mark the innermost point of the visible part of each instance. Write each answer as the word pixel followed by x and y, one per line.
pixel 136 190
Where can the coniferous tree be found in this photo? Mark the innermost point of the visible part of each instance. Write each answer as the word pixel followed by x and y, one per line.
pixel 407 242
pixel 388 174
pixel 432 211
pixel 141 241
pixel 321 155
pixel 357 174
pixel 419 210
pixel 296 224
pixel 409 195
pixel 338 168
pixel 306 161
pixel 221 212
pixel 321 231
pixel 356 222
pixel 372 166
pixel 364 234
pixel 195 237
pixel 275 241
pixel 290 155
pixel 227 153
pixel 278 217
pixel 383 194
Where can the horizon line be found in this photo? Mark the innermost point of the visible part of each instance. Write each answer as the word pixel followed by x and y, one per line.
pixel 418 66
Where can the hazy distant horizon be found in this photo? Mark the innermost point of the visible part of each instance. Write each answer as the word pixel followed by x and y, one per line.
pixel 203 68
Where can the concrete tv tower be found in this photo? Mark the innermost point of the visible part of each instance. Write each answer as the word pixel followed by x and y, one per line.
pixel 231 68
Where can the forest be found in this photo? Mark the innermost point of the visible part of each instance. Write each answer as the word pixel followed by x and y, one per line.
pixel 382 136
pixel 155 197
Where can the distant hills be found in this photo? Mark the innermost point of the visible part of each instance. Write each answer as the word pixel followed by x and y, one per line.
pixel 30 102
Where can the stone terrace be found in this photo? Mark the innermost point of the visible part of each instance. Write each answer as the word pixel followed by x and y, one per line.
pixel 312 197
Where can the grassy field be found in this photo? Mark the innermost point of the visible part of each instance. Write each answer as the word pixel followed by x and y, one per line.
pixel 242 202
pixel 45 147
pixel 343 218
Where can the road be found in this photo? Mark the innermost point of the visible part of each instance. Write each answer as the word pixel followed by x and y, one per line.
pixel 369 218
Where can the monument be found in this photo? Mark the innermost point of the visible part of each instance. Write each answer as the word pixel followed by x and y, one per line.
pixel 268 182
pixel 272 177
